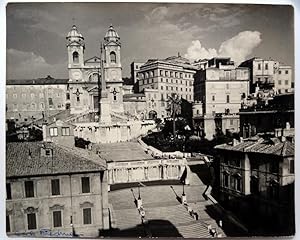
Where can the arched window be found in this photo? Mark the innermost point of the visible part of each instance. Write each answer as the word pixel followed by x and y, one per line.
pixel 113 57
pixel 75 57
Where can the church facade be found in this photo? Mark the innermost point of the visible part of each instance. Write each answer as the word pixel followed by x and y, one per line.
pixel 94 77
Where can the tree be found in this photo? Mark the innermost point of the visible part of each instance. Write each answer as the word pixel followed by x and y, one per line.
pixel 174 108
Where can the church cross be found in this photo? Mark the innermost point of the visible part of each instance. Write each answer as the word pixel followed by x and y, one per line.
pixel 77 93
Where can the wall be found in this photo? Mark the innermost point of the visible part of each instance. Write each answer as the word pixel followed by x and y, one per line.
pixel 112 133
pixel 44 201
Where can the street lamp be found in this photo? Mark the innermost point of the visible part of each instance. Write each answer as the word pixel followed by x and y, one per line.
pixel 139 191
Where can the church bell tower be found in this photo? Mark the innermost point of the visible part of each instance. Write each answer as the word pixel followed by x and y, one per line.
pixel 113 69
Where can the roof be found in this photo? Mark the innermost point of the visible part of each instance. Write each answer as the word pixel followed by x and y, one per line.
pixel 111 33
pixel 65 160
pixel 39 81
pixel 179 61
pixel 272 146
pixel 74 33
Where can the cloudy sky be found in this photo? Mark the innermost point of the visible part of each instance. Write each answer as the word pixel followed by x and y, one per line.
pixel 36 44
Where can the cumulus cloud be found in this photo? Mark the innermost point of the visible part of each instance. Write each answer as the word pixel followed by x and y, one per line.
pixel 237 47
pixel 24 65
pixel 196 51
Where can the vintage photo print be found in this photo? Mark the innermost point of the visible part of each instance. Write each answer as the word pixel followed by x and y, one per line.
pixel 149 120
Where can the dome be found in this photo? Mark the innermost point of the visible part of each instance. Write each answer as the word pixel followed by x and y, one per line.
pixel 111 33
pixel 74 33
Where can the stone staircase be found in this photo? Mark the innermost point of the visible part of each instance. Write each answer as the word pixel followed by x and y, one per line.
pixel 164 214
pixel 174 218
pixel 127 218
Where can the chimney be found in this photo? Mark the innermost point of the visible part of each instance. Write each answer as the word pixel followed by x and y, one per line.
pixel 283 138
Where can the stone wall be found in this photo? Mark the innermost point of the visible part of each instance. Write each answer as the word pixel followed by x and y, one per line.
pixel 111 133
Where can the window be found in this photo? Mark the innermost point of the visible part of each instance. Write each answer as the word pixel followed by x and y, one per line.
pixel 85 184
pixel 162 87
pixel 29 191
pixel 237 182
pixel 286 82
pixel 274 167
pixel 227 99
pixel 279 72
pixel 48 152
pixel 78 99
pixel 31 221
pixel 57 219
pixel 7 223
pixel 259 66
pixel 55 188
pixel 8 191
pixel 231 121
pixel 65 131
pixel 266 66
pixel 113 57
pixel 226 179
pixel 292 166
pixel 50 102
pixel 68 96
pixel 75 57
pixel 279 82
pixel 258 79
pixel 254 185
pixel 266 79
pixel 87 216
pixel 53 131
pixel 286 71
pixel 213 97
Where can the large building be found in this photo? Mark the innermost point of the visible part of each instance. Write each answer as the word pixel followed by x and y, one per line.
pixel 32 99
pixel 268 74
pixel 218 92
pixel 257 183
pixel 159 78
pixel 55 190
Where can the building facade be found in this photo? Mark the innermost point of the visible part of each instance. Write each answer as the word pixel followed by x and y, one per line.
pixel 160 78
pixel 33 99
pixel 53 190
pixel 218 91
pixel 257 183
pixel 268 74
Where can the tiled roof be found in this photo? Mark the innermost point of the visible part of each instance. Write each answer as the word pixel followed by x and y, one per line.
pixel 271 146
pixel 24 159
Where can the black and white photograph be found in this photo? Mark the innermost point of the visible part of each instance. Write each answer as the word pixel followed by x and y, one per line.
pixel 149 120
